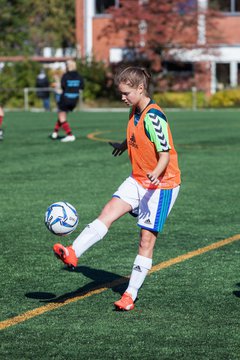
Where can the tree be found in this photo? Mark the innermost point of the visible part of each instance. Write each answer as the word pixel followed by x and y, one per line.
pixel 51 24
pixel 29 25
pixel 153 28
pixel 13 20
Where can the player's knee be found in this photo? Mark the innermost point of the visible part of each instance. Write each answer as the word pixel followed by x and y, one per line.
pixel 147 241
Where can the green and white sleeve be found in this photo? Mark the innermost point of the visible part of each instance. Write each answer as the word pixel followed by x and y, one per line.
pixel 157 131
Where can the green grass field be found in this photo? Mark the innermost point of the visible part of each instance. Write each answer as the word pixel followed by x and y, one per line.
pixel 187 309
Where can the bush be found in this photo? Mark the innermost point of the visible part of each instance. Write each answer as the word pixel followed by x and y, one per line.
pixel 99 86
pixel 225 98
pixel 180 100
pixel 14 78
pixel 222 99
pixel 96 77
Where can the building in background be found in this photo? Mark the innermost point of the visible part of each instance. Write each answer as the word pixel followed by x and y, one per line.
pixel 216 69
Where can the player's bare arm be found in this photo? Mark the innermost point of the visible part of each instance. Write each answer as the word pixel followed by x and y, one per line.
pixel 163 161
pixel 119 148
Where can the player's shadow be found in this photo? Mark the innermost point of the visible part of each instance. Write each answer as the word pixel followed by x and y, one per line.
pixel 237 292
pixel 101 279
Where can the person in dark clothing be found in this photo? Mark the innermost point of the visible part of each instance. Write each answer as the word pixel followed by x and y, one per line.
pixel 42 83
pixel 72 82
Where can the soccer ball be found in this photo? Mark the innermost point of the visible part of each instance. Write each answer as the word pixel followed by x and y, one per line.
pixel 61 218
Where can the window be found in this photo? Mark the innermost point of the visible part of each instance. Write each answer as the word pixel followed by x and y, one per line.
pixel 187 6
pixel 103 5
pixel 238 74
pixel 178 68
pixel 223 75
pixel 231 6
pixel 237 5
pixel 115 55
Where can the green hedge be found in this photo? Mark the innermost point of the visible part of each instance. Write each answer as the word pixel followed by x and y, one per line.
pixel 180 100
pixel 14 77
pixel 95 75
pixel 222 99
pixel 226 99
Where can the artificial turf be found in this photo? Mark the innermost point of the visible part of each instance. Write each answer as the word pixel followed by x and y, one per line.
pixel 188 310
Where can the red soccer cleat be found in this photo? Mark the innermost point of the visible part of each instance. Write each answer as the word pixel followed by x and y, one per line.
pixel 125 303
pixel 66 254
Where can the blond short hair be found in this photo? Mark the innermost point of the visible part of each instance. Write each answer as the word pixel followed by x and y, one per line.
pixel 71 65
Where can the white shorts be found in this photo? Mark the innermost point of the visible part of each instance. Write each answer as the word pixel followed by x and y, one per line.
pixel 152 207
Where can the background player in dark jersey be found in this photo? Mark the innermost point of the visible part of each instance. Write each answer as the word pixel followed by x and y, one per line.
pixel 72 82
pixel 42 84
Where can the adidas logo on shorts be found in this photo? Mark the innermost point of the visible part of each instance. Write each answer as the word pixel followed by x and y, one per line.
pixel 147 222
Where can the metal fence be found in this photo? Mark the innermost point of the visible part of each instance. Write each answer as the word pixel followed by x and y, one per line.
pixel 28 90
pixel 27 99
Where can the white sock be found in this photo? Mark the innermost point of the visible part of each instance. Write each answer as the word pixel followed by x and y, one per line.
pixel 89 236
pixel 140 269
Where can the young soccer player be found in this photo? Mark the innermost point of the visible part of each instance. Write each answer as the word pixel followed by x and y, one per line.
pixel 151 190
pixel 71 83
